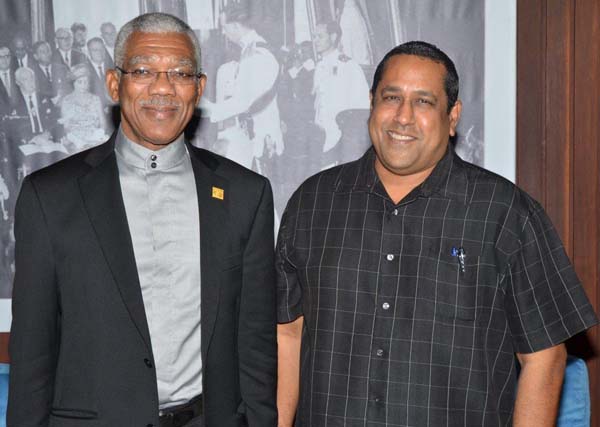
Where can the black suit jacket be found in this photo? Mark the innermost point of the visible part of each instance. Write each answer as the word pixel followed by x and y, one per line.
pixel 19 124
pixel 80 346
pixel 59 85
pixel 76 58
pixel 98 83
pixel 6 100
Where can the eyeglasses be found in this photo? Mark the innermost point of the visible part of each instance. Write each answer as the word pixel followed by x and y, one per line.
pixel 145 76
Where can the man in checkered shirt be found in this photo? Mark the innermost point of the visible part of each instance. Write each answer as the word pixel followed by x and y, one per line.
pixel 413 286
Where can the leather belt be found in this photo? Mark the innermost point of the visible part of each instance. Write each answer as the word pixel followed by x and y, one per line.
pixel 178 416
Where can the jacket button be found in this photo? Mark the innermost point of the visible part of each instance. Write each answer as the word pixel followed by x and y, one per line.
pixel 148 363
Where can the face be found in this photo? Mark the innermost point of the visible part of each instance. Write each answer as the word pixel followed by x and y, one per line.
pixel 409 124
pixel 155 114
pixel 323 40
pixel 82 84
pixel 43 54
pixel 80 37
pixel 4 58
pixel 20 47
pixel 96 51
pixel 64 40
pixel 109 34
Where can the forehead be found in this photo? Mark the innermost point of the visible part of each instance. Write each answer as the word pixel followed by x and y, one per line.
pixel 411 70
pixel 4 51
pixel 96 45
pixel 108 29
pixel 63 33
pixel 159 47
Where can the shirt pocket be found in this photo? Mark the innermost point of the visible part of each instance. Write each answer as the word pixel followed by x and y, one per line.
pixel 453 282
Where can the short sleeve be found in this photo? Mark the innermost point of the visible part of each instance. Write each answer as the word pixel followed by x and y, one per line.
pixel 545 302
pixel 289 291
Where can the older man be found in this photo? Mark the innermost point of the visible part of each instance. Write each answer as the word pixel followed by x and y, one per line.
pixel 412 285
pixel 144 284
pixel 65 54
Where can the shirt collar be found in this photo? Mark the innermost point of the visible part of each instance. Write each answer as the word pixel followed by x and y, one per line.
pixel 143 158
pixel 448 178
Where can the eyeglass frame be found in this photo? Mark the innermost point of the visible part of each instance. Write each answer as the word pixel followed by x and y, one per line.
pixel 197 76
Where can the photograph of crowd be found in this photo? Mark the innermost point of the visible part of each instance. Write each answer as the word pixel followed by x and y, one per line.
pixel 287 92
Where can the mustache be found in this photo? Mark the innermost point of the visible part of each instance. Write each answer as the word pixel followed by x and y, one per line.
pixel 160 102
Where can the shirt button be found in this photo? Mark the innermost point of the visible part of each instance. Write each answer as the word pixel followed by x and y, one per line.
pixel 153 165
pixel 153 157
pixel 148 363
pixel 379 352
pixel 395 212
pixel 390 257
pixel 377 400
pixel 385 306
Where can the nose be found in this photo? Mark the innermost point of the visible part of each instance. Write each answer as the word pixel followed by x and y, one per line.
pixel 405 113
pixel 161 85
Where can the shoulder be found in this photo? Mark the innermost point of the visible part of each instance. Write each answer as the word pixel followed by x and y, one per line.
pixel 235 173
pixel 499 197
pixel 59 174
pixel 327 182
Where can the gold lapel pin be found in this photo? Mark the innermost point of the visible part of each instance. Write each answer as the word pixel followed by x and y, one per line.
pixel 218 193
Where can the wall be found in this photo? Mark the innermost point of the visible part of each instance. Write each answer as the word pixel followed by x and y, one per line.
pixel 558 137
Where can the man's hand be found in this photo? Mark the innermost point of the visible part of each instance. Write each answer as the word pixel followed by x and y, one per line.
pixel 289 336
pixel 539 386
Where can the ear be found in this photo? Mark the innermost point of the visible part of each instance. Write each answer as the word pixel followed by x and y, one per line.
pixel 112 84
pixel 200 89
pixel 455 116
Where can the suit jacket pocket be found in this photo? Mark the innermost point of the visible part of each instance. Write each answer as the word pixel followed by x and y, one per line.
pixel 82 414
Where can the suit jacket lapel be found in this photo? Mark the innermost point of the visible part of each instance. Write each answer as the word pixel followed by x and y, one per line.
pixel 213 213
pixel 101 192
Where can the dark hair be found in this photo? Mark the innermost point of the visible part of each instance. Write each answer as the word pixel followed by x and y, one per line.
pixel 78 26
pixel 423 50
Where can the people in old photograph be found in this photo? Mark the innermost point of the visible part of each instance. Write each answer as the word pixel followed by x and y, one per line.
pixel 339 83
pixel 249 115
pixel 108 32
pixel 32 115
pixel 354 40
pixel 7 82
pixel 79 32
pixel 51 77
pixel 65 54
pixel 21 50
pixel 99 62
pixel 82 113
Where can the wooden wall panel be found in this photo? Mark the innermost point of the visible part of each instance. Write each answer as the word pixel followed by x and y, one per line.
pixel 558 138
pixel 531 81
pixel 3 348
pixel 586 176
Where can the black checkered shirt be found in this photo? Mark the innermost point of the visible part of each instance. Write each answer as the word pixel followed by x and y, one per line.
pixel 400 330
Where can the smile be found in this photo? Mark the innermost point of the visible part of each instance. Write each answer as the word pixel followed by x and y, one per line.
pixel 400 136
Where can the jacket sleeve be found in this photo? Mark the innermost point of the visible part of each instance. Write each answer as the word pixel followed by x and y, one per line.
pixel 257 342
pixel 34 336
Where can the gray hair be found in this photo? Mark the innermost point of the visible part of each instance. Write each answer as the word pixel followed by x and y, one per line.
pixel 154 23
pixel 22 73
